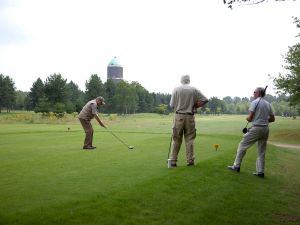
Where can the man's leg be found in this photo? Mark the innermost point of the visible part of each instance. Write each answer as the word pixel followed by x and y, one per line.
pixel 248 140
pixel 176 138
pixel 87 126
pixel 261 151
pixel 189 137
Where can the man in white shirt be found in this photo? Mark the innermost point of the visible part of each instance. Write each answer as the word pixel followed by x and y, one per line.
pixel 260 114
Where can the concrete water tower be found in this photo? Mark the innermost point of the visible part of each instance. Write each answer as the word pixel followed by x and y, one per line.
pixel 114 70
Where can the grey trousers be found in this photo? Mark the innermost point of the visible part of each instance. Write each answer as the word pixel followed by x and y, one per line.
pixel 258 135
pixel 88 129
pixel 183 125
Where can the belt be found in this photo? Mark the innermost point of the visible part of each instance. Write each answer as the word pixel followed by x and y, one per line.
pixel 188 113
pixel 260 126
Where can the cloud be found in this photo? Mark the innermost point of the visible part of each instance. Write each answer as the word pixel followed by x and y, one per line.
pixel 11 32
pixel 156 42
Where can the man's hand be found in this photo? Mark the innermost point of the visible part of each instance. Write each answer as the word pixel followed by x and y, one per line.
pixel 200 103
pixel 250 116
pixel 99 121
pixel 271 118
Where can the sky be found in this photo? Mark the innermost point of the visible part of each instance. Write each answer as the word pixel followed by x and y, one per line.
pixel 225 52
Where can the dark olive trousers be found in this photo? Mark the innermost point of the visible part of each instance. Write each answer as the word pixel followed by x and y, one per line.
pixel 88 129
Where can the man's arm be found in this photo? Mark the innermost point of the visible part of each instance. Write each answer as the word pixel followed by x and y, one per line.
pixel 201 99
pixel 99 121
pixel 250 116
pixel 172 100
pixel 200 103
pixel 271 118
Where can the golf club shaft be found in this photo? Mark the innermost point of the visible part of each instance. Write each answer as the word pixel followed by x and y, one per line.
pixel 170 147
pixel 117 137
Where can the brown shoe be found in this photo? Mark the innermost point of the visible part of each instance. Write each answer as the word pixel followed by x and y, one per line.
pixel 173 165
pixel 89 148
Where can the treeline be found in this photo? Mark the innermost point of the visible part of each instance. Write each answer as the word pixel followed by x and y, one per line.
pixel 57 95
pixel 237 105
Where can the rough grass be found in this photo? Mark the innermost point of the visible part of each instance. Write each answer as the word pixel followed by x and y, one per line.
pixel 47 179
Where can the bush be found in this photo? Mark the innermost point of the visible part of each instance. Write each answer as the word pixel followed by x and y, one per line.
pixel 113 116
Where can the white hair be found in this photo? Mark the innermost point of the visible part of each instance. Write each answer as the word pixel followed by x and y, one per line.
pixel 185 79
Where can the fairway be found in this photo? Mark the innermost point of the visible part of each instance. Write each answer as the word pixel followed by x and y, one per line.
pixel 46 178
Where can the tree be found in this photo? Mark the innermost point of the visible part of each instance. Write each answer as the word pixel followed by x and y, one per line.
pixel 59 108
pixel 20 99
pixel 162 109
pixel 289 83
pixel 237 100
pixel 37 91
pixel 227 99
pixel 230 3
pixel 110 91
pixel 7 92
pixel 282 108
pixel 125 98
pixel 75 98
pixel 270 98
pixel 43 105
pixel 145 101
pixel 216 105
pixel 94 88
pixel 55 89
pixel 230 108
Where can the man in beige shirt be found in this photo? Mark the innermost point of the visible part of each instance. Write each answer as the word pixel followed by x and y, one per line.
pixel 184 100
pixel 88 112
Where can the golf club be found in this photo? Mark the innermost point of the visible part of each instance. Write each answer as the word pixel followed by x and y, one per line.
pixel 128 146
pixel 169 162
pixel 245 129
pixel 169 148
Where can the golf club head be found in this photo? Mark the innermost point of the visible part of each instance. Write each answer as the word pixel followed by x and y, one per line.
pixel 245 130
pixel 131 147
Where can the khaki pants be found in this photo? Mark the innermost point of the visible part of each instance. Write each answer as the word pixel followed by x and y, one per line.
pixel 183 125
pixel 259 135
pixel 88 129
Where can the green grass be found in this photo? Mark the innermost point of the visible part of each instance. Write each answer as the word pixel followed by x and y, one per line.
pixel 45 177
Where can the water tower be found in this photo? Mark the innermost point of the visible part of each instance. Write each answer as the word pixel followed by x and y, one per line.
pixel 114 70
